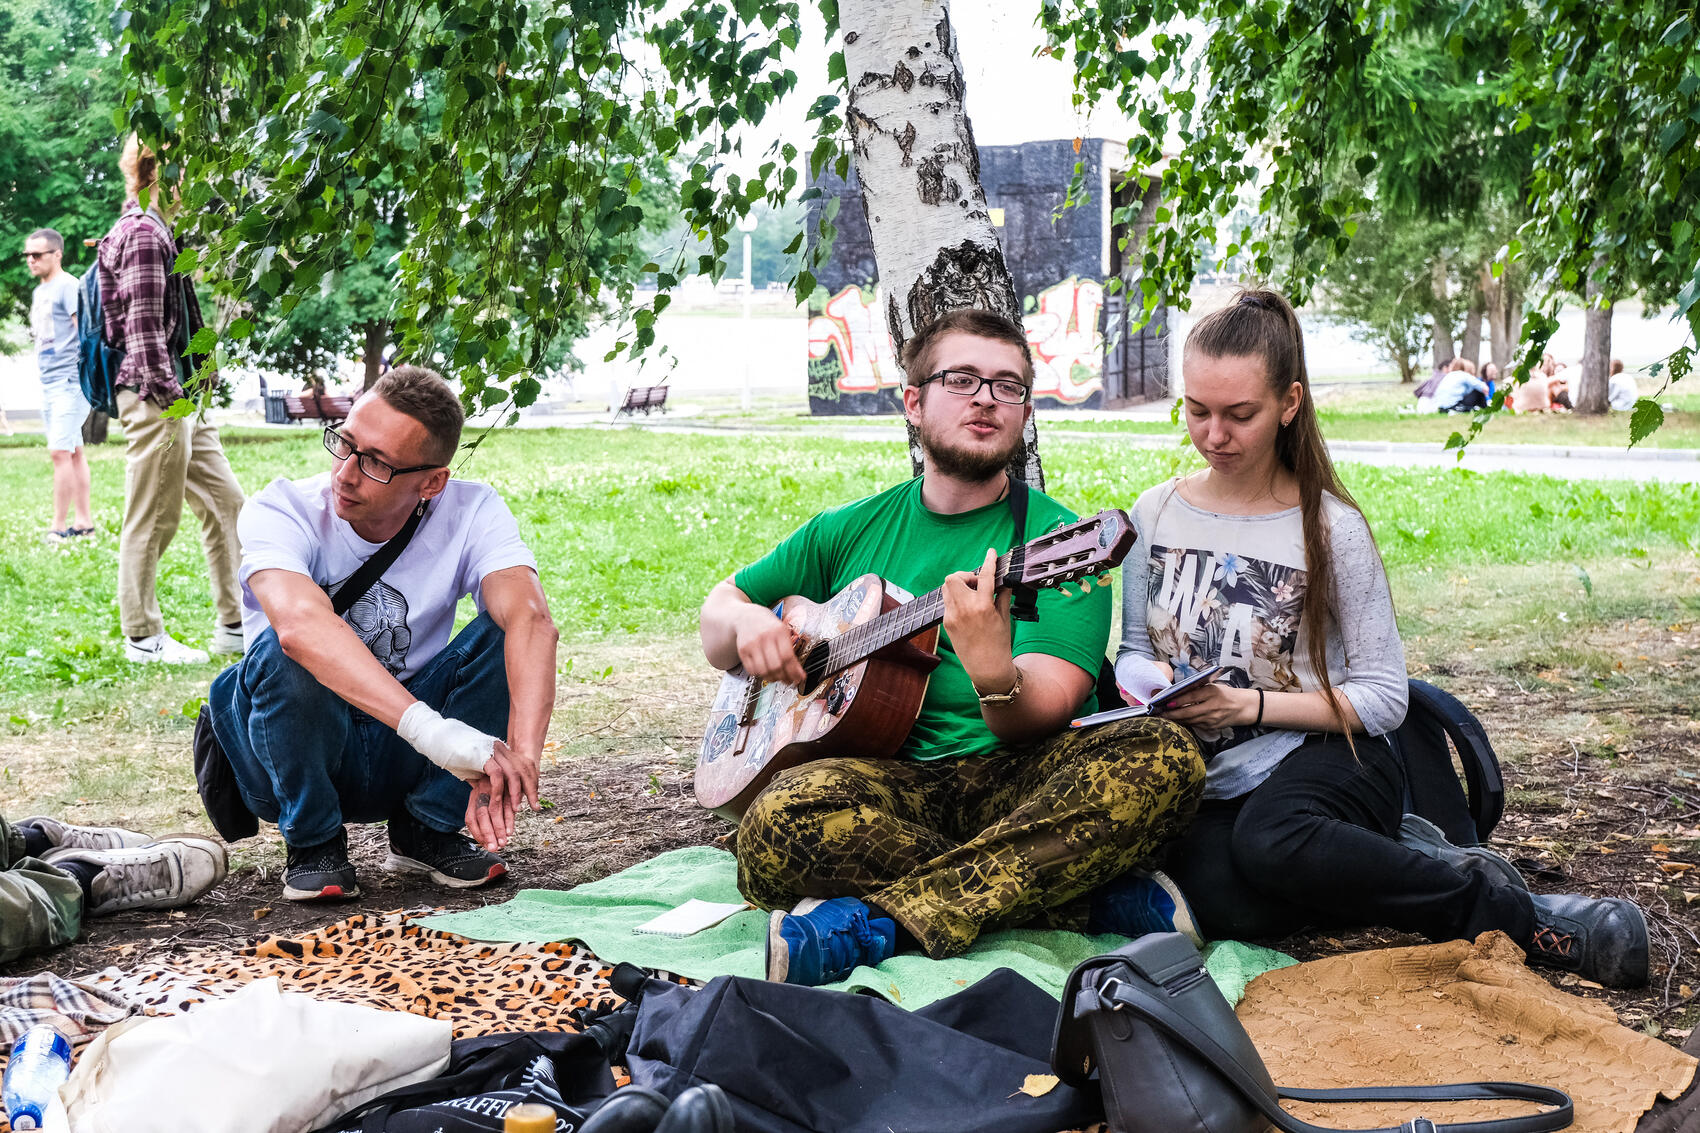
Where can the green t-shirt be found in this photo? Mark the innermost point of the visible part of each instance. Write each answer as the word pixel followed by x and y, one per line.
pixel 894 536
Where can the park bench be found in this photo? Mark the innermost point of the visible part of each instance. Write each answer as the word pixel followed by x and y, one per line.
pixel 282 408
pixel 645 398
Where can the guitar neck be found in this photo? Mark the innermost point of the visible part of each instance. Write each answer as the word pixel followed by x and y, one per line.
pixel 863 641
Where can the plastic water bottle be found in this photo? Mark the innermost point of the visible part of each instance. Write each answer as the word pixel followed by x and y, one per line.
pixel 40 1063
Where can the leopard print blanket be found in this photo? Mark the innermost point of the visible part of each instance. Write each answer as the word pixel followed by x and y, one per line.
pixel 384 960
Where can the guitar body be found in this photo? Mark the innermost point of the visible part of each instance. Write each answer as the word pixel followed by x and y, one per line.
pixel 758 729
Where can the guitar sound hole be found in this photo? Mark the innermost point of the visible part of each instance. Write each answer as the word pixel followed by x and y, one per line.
pixel 814 667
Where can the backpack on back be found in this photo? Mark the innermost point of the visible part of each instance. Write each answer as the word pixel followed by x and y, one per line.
pixel 97 359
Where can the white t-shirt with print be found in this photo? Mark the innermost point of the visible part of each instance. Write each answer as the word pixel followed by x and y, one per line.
pixel 407 616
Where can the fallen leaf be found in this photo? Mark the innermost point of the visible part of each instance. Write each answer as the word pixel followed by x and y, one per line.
pixel 178 914
pixel 1676 867
pixel 964 983
pixel 1592 984
pixel 1689 896
pixel 1038 1085
pixel 262 914
pixel 1659 848
pixel 1685 991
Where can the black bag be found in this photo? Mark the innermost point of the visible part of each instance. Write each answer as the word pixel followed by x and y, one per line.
pixel 1171 1056
pixel 793 1058
pixel 1451 773
pixel 216 782
pixel 486 1077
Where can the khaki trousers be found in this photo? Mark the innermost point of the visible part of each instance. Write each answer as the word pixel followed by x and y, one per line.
pixel 168 460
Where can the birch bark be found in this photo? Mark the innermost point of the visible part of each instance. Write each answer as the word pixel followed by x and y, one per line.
pixel 934 244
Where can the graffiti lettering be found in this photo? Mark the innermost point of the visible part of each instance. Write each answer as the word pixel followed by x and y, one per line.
pixel 1068 350
pixel 855 327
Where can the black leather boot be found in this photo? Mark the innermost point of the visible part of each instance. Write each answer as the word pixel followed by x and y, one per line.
pixel 1603 939
pixel 632 1109
pixel 700 1109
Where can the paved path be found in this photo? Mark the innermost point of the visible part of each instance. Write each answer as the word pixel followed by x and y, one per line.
pixel 1579 462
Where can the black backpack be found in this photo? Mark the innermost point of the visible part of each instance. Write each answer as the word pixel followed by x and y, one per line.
pixel 1451 773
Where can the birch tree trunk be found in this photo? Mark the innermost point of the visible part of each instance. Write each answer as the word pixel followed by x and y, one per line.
pixel 1441 311
pixel 1594 382
pixel 934 243
pixel 1501 300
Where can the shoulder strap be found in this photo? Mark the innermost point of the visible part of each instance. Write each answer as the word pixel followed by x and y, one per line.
pixel 1024 602
pixel 373 568
pixel 1119 994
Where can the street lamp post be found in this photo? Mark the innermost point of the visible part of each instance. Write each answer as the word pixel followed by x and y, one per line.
pixel 747 225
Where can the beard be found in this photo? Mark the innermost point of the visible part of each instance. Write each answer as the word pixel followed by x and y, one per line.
pixel 962 462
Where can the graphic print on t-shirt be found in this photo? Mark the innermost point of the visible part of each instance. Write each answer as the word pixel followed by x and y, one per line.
pixel 379 616
pixel 1217 608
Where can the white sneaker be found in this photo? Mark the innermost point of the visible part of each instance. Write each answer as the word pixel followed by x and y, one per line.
pixel 163 647
pixel 173 871
pixel 85 837
pixel 227 640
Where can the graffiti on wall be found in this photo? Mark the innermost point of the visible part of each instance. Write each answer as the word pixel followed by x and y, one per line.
pixel 850 351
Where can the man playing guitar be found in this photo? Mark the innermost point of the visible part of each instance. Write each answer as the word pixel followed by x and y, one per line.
pixel 992 815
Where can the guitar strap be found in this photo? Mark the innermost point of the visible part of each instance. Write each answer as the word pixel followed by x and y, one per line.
pixel 1024 600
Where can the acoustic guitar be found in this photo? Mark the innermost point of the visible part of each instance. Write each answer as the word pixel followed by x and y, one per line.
pixel 868 656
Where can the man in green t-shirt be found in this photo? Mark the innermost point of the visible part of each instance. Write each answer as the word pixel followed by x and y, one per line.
pixel 992 815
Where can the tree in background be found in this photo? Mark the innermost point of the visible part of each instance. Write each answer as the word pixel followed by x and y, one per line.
pixel 59 80
pixel 1372 288
pixel 1276 98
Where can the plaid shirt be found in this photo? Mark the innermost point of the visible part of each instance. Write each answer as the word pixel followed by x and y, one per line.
pixel 135 260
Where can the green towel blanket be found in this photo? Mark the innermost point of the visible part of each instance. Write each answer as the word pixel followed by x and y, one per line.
pixel 601 915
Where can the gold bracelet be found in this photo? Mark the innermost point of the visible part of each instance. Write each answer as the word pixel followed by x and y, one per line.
pixel 999 697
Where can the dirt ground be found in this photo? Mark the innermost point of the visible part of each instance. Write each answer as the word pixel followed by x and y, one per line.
pixel 1602 797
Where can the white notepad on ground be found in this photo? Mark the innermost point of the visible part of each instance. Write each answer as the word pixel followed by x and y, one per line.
pixel 691 917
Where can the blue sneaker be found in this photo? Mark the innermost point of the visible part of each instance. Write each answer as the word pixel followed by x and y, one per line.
pixel 1140 902
pixel 821 942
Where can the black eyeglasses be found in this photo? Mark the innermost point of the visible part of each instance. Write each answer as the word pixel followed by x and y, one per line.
pixel 964 384
pixel 340 447
pixel 38 255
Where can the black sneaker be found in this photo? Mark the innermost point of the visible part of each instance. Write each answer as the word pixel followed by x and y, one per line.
pixel 320 873
pixel 450 859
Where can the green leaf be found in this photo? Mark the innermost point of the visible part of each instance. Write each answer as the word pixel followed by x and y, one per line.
pixel 1644 420
pixel 205 339
pixel 835 67
pixel 187 260
pixel 1365 164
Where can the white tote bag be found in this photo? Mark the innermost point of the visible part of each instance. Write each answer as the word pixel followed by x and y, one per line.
pixel 261 1061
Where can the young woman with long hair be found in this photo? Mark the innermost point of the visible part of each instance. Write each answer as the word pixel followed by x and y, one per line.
pixel 1262 562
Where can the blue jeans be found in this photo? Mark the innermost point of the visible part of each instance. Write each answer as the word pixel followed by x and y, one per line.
pixel 309 761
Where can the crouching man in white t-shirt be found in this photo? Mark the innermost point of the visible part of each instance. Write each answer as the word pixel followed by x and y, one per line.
pixel 376 714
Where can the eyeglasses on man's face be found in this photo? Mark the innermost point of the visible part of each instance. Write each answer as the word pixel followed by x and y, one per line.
pixel 965 384
pixel 38 255
pixel 342 448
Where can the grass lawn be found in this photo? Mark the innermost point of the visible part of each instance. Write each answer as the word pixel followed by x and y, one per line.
pixel 1563 612
pixel 1366 410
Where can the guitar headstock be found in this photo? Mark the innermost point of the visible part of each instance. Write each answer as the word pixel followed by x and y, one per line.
pixel 1082 550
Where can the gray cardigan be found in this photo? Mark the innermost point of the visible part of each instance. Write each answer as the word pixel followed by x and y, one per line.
pixel 1201 588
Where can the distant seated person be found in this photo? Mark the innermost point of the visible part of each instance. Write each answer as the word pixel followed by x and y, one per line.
pixel 358 707
pixel 52 874
pixel 1460 390
pixel 1544 391
pixel 1622 393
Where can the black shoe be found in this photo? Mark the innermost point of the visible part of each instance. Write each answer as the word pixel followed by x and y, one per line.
pixel 1603 939
pixel 450 859
pixel 630 1109
pixel 700 1109
pixel 320 873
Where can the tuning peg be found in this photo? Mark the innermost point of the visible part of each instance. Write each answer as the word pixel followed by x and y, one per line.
pixel 1066 591
pixel 1104 579
pixel 1086 586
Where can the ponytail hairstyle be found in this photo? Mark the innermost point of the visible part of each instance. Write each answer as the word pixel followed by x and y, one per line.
pixel 1260 323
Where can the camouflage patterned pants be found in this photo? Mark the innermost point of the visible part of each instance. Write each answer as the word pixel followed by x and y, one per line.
pixel 957 847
